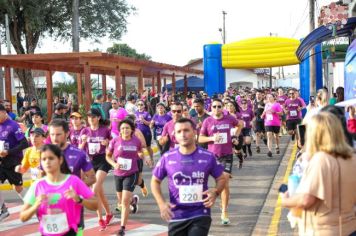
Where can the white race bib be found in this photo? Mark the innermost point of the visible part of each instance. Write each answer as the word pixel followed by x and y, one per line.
pixel 34 173
pixel 125 164
pixel 222 139
pixel 293 113
pixel 55 224
pixel 93 148
pixel 233 131
pixel 269 116
pixel 190 193
pixel 2 145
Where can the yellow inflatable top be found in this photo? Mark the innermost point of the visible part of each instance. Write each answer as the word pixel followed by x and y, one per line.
pixel 260 52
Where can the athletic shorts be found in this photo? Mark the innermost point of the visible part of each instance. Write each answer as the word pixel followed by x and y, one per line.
pixel 273 129
pixel 10 175
pixel 148 139
pixel 246 132
pixel 140 165
pixel 260 127
pixel 127 183
pixel 292 124
pixel 226 161
pixel 99 163
pixel 241 140
pixel 284 117
pixel 198 226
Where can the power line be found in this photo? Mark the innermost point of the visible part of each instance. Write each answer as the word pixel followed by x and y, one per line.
pixel 302 19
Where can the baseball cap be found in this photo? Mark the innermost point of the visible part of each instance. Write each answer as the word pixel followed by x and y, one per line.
pixel 94 112
pixel 38 131
pixel 60 106
pixel 76 114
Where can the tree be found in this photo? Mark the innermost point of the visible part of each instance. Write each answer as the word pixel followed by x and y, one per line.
pixel 127 51
pixel 32 19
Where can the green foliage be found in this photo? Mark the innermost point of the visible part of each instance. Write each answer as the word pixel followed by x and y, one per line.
pixel 125 50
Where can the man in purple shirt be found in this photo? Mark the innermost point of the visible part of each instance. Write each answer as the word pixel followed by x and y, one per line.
pixel 292 108
pixel 187 169
pixel 77 160
pixel 216 131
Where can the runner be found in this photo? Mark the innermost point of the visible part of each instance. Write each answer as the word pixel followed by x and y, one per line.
pixel 259 107
pixel 293 107
pixel 247 116
pixel 58 198
pixel 216 132
pixel 187 169
pixel 281 99
pixel 12 143
pixel 271 115
pixel 94 140
pixel 37 122
pixel 117 114
pixel 123 154
pixel 157 123
pixel 199 118
pixel 75 129
pixel 31 159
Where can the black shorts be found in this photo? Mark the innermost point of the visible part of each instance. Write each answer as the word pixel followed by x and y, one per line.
pixel 127 183
pixel 10 175
pixel 273 129
pixel 246 132
pixel 198 226
pixel 226 161
pixel 292 124
pixel 140 165
pixel 260 127
pixel 148 139
pixel 99 163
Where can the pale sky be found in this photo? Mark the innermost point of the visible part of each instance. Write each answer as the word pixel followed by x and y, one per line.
pixel 174 31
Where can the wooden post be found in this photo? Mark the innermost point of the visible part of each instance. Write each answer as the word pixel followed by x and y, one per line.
pixel 124 85
pixel 87 86
pixel 153 85
pixel 79 89
pixel 140 82
pixel 49 93
pixel 185 86
pixel 118 81
pixel 8 94
pixel 173 83
pixel 159 86
pixel 103 82
pixel 165 83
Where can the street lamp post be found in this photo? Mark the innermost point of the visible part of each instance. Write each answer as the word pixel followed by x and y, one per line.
pixel 223 30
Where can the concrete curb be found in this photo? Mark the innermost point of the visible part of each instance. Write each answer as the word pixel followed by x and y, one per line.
pixel 27 183
pixel 267 211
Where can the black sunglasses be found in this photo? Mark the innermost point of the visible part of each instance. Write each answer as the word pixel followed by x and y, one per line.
pixel 176 111
pixel 218 106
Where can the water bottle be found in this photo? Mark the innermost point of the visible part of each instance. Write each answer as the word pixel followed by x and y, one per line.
pixel 293 182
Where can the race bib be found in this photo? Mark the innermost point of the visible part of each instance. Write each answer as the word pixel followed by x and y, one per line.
pixel 269 116
pixel 34 173
pixel 159 137
pixel 2 145
pixel 222 138
pixel 93 148
pixel 190 193
pixel 55 224
pixel 293 113
pixel 233 131
pixel 125 164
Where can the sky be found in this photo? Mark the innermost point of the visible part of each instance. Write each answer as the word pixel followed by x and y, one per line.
pixel 174 31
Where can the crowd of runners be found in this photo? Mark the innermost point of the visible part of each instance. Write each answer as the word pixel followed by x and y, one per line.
pixel 197 136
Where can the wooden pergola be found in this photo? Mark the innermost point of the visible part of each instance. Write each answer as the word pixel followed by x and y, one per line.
pixel 86 63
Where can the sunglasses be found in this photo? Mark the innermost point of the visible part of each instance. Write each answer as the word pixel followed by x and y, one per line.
pixel 218 106
pixel 291 93
pixel 177 111
pixel 139 104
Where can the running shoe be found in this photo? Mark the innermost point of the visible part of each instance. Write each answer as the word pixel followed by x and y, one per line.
pixel 258 150
pixel 277 150
pixel 240 164
pixel 121 232
pixel 269 154
pixel 144 191
pixel 134 204
pixel 4 213
pixel 102 225
pixel 244 155
pixel 225 218
pixel 118 209
pixel 108 219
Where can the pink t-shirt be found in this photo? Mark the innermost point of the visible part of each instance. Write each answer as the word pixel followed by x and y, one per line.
pixel 271 117
pixel 115 117
pixel 57 203
pixel 169 129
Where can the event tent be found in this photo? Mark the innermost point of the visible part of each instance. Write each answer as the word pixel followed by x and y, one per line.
pixel 194 84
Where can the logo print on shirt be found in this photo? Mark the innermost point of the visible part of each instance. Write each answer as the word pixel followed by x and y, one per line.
pixel 180 179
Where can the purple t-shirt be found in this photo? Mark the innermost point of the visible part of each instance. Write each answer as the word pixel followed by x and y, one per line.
pixel 169 129
pixel 292 109
pixel 272 119
pixel 74 136
pixel 77 160
pixel 125 152
pixel 222 126
pixel 247 117
pixel 145 129
pixel 93 146
pixel 187 170
pixel 10 135
pixel 282 99
pixel 160 121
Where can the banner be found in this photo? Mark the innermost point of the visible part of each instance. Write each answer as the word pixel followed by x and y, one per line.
pixel 350 72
